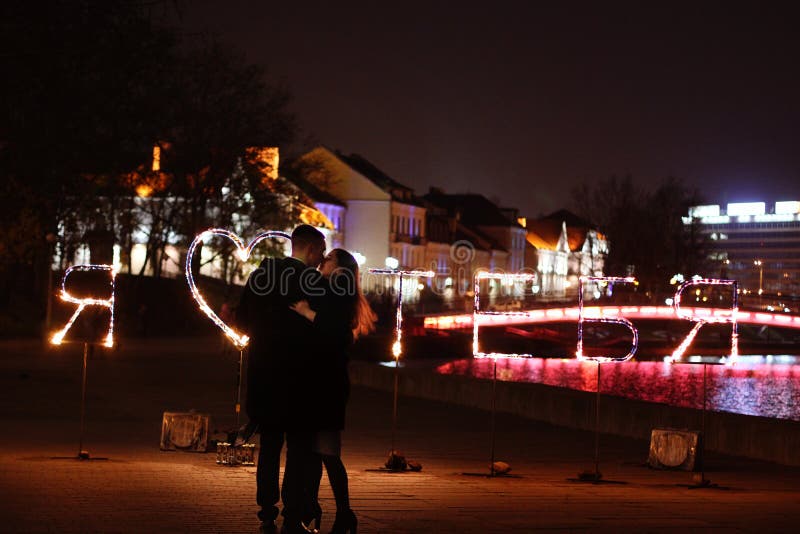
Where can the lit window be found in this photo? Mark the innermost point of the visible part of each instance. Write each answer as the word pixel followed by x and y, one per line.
pixel 156 158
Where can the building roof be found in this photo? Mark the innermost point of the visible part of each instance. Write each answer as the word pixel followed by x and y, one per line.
pixel 315 193
pixel 544 235
pixel 471 208
pixel 546 231
pixel 443 229
pixel 570 218
pixel 446 228
pixel 360 164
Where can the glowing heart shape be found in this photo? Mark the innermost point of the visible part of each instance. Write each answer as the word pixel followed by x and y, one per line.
pixel 240 340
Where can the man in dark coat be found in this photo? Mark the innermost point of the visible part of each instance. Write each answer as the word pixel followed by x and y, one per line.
pixel 281 353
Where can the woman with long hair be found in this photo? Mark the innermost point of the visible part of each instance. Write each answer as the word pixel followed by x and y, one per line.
pixel 340 319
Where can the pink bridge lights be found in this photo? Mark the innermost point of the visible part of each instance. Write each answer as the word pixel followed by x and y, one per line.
pixel 700 316
pixel 550 315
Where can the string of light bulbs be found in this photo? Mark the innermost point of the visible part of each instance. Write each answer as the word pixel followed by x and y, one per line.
pixel 243 253
pixel 729 317
pixel 82 303
pixel 397 346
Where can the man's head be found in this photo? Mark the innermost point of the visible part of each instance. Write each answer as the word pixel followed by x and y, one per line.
pixel 308 245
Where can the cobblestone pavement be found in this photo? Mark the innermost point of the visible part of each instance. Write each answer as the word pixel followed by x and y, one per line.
pixel 141 489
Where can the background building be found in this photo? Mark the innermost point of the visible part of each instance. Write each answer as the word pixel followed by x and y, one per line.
pixel 383 222
pixel 497 224
pixel 563 247
pixel 757 244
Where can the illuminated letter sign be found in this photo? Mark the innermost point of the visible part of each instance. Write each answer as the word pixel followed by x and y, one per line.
pixel 488 317
pixel 397 346
pixel 703 316
pixel 602 319
pixel 243 252
pixel 82 303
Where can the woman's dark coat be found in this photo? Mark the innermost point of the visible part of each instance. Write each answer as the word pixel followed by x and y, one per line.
pixel 331 384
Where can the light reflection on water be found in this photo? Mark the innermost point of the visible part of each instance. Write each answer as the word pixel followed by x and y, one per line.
pixel 753 386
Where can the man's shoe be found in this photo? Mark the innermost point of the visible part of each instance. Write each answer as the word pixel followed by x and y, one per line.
pixel 268 527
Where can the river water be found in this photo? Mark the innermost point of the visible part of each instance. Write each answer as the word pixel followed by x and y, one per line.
pixel 767 386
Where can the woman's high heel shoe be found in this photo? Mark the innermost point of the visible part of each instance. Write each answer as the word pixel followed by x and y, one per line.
pixel 345 523
pixel 317 515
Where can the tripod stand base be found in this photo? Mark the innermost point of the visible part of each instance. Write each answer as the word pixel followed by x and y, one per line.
pixel 82 456
pixel 701 482
pixel 398 463
pixel 593 477
pixel 387 470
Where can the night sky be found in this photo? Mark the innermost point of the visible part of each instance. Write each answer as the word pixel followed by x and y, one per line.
pixel 520 101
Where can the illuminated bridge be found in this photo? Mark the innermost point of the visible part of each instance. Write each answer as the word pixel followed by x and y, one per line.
pixel 463 321
pixel 766 385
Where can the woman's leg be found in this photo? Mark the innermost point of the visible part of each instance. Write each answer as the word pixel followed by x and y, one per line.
pixel 346 521
pixel 337 475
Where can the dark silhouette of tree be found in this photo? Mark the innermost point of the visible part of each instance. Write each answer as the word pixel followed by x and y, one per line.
pixel 80 105
pixel 617 207
pixel 228 108
pixel 90 86
pixel 645 229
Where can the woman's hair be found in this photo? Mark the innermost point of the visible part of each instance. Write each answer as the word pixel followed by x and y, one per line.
pixel 345 282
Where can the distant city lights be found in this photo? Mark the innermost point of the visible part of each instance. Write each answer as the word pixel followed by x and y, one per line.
pixel 745 212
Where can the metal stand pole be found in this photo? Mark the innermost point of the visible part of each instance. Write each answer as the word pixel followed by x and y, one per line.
pixel 493 472
pixel 494 412
pixel 595 477
pixel 88 349
pixel 703 482
pixel 394 404
pixel 82 454
pixel 597 474
pixel 398 338
pixel 239 388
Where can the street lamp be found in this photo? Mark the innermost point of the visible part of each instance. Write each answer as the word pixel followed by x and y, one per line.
pixel 760 265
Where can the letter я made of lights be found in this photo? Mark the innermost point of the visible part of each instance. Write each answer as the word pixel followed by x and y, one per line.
pixel 397 346
pixel 595 316
pixel 90 329
pixel 243 252
pixel 701 317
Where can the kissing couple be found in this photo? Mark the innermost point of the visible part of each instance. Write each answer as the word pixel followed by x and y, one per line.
pixel 302 314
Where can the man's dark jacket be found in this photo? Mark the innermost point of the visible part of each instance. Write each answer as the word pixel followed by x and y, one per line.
pixel 281 349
